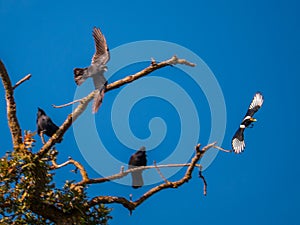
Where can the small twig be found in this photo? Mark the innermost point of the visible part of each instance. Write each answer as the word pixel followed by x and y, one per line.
pixel 160 173
pixel 222 149
pixel 27 77
pixel 67 104
pixel 204 182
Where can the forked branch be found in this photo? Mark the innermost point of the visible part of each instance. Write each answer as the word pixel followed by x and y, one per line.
pixel 131 205
pixel 84 101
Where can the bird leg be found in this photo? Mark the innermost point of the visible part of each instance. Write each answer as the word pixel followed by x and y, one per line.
pixel 251 125
pixel 42 136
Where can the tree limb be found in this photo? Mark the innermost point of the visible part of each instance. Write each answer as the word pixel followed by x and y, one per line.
pixel 84 101
pixel 76 164
pixel 154 66
pixel 126 172
pixel 13 123
pixel 131 205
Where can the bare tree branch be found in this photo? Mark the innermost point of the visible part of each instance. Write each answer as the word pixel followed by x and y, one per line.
pixel 160 173
pixel 76 164
pixel 154 66
pixel 13 123
pixel 131 205
pixel 66 125
pixel 27 77
pixel 67 104
pixel 84 101
pixel 222 149
pixel 126 172
pixel 204 182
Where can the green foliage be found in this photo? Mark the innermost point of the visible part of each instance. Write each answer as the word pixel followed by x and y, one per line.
pixel 27 189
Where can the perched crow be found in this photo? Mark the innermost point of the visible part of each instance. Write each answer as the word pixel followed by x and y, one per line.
pixel 96 69
pixel 136 160
pixel 238 143
pixel 45 125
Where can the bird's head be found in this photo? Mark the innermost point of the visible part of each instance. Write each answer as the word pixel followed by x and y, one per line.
pixel 40 112
pixel 247 121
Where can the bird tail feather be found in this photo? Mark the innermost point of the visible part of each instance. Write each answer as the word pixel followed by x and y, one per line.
pixel 137 179
pixel 98 99
pixel 80 75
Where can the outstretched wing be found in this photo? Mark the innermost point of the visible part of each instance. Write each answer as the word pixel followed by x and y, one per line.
pixel 101 55
pixel 255 105
pixel 238 142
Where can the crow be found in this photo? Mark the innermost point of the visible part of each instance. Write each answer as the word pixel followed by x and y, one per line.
pixel 45 125
pixel 136 160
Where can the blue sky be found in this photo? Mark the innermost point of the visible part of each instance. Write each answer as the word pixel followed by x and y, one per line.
pixel 249 46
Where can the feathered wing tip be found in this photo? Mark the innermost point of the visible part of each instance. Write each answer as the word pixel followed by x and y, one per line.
pixel 98 100
pixel 79 75
pixel 257 101
pixel 238 146
pixel 238 142
pixel 137 179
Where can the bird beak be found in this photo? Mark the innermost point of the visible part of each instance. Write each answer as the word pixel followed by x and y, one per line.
pixel 253 119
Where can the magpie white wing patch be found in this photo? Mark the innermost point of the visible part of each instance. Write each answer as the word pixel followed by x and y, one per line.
pixel 238 146
pixel 258 100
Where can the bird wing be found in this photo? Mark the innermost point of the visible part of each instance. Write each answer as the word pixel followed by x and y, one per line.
pixel 238 143
pixel 132 161
pixel 101 55
pixel 51 128
pixel 99 80
pixel 255 105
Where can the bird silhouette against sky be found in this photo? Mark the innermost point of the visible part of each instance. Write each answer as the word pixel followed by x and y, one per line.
pixel 96 69
pixel 238 142
pixel 45 125
pixel 136 160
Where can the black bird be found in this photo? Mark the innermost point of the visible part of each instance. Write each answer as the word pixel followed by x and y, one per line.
pixel 238 143
pixel 96 69
pixel 45 125
pixel 136 160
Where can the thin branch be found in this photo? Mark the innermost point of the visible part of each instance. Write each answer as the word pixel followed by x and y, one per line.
pixel 131 205
pixel 222 149
pixel 75 163
pixel 27 77
pixel 123 173
pixel 66 125
pixel 204 182
pixel 154 66
pixel 160 173
pixel 13 123
pixel 67 104
pixel 84 101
